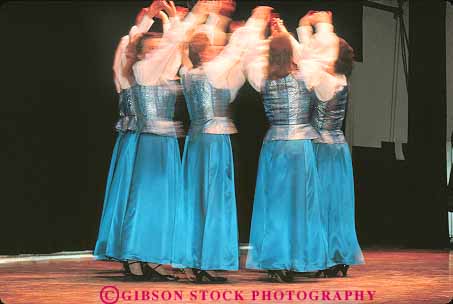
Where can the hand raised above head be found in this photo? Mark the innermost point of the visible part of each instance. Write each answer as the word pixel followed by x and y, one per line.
pixel 307 20
pixel 155 7
pixel 278 26
pixel 162 16
pixel 169 8
pixel 204 7
pixel 262 12
pixel 227 7
pixel 322 17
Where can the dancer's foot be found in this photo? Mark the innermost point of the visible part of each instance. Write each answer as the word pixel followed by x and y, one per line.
pixel 136 272
pixel 186 273
pixel 290 275
pixel 338 270
pixel 135 267
pixel 126 268
pixel 204 277
pixel 279 276
pixel 162 275
pixel 306 274
pixel 322 273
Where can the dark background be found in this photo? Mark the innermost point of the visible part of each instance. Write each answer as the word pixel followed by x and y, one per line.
pixel 59 107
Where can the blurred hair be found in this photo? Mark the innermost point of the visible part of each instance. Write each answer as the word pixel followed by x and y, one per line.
pixel 280 56
pixel 143 37
pixel 197 44
pixel 345 61
pixel 135 47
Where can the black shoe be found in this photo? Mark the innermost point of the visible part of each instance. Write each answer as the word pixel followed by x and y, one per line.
pixel 290 275
pixel 305 274
pixel 126 268
pixel 158 277
pixel 322 273
pixel 137 277
pixel 187 274
pixel 279 276
pixel 203 277
pixel 334 272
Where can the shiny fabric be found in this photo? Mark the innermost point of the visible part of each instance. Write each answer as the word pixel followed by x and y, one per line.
pixel 328 118
pixel 286 231
pixel 155 109
pixel 116 195
pixel 127 113
pixel 143 228
pixel 337 202
pixel 208 106
pixel 287 103
pixel 206 225
pixel 147 229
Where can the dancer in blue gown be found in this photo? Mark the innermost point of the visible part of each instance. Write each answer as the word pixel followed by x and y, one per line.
pixel 147 235
pixel 286 233
pixel 332 152
pixel 123 156
pixel 206 224
pixel 143 227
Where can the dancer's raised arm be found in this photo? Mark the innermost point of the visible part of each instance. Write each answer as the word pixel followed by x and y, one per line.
pixel 305 30
pixel 226 70
pixel 145 18
pixel 277 26
pixel 324 43
pixel 217 22
pixel 118 79
pixel 163 60
pixel 320 52
pixel 255 58
pixel 171 15
pixel 122 73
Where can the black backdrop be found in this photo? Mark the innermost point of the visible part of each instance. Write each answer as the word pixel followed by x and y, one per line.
pixel 59 107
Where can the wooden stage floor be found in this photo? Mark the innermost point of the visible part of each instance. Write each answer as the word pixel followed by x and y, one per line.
pixel 392 276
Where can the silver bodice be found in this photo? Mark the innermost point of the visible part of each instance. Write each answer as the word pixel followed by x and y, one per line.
pixel 127 114
pixel 155 109
pixel 288 103
pixel 208 107
pixel 328 118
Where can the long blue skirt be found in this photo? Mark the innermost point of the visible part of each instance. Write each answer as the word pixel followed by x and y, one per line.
pixel 116 194
pixel 337 201
pixel 286 231
pixel 156 187
pixel 206 224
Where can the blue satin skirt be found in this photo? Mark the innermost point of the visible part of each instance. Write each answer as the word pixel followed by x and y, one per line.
pixel 147 229
pixel 116 194
pixel 286 231
pixel 337 201
pixel 206 234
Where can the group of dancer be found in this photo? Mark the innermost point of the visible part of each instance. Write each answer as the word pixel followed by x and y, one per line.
pixel 159 210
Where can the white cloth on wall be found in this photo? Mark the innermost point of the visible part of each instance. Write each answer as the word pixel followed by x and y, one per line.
pixel 377 117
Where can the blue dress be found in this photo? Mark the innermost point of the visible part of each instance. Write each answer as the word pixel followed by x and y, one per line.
pixel 286 231
pixel 146 232
pixel 206 224
pixel 337 181
pixel 119 178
